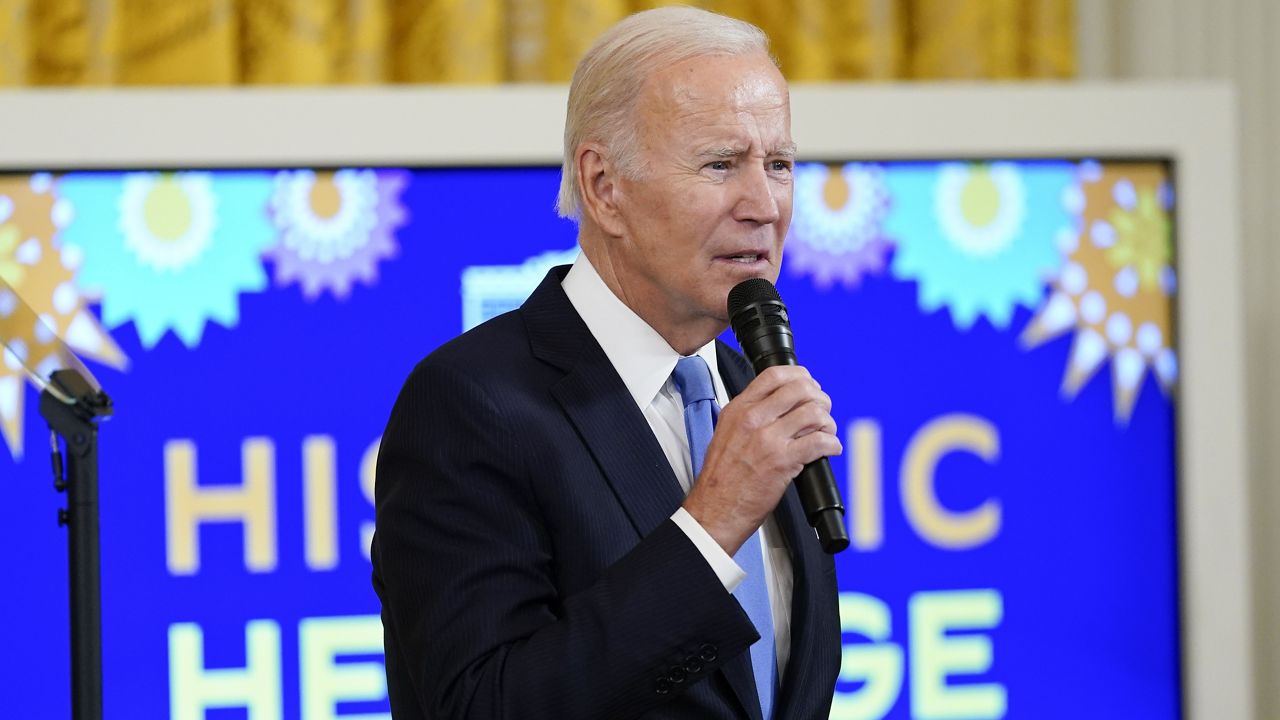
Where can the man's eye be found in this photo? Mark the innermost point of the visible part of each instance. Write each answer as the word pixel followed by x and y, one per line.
pixel 780 166
pixel 718 165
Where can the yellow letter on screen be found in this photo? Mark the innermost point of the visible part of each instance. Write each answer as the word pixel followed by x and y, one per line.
pixel 193 688
pixel 935 654
pixel 865 480
pixel 187 505
pixel 935 523
pixel 321 501
pixel 325 682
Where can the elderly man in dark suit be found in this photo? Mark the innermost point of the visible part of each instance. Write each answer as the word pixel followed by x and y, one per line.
pixel 584 506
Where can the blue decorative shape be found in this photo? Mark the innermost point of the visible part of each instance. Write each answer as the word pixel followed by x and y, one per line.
pixel 983 268
pixel 169 283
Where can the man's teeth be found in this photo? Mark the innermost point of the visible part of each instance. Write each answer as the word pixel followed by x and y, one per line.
pixel 744 258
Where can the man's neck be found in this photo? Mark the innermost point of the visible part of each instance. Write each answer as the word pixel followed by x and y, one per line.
pixel 684 335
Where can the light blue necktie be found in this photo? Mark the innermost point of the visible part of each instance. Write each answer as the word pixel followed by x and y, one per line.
pixel 693 380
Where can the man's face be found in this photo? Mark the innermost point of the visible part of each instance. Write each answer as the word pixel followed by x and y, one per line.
pixel 713 201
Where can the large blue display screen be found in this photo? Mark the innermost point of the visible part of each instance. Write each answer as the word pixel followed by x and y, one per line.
pixel 997 338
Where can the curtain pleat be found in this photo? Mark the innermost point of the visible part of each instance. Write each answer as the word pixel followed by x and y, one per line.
pixel 448 41
pixel 287 41
pixel 360 42
pixel 163 42
pixel 990 39
pixel 14 39
pixel 69 42
pixel 1048 42
pixel 868 40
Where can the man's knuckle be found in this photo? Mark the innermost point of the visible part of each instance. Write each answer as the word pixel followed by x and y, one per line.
pixel 748 417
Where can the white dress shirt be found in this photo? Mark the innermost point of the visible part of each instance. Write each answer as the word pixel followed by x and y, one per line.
pixel 645 362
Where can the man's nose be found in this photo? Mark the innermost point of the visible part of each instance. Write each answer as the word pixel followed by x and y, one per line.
pixel 758 201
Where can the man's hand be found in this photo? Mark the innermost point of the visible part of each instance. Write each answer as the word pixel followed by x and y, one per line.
pixel 777 425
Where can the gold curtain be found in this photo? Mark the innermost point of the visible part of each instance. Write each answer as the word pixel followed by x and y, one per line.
pixel 318 42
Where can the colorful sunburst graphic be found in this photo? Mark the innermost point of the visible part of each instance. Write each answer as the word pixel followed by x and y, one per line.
pixel 978 238
pixel 335 227
pixel 1116 289
pixel 170 251
pixel 41 273
pixel 836 228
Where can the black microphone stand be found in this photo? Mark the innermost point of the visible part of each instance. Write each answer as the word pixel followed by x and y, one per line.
pixel 72 407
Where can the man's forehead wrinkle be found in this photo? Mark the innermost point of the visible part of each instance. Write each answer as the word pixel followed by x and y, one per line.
pixel 673 102
pixel 729 138
pixel 704 111
pixel 755 88
pixel 682 91
pixel 747 92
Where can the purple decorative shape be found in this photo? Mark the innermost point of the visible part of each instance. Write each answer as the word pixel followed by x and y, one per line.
pixel 843 244
pixel 848 268
pixel 331 253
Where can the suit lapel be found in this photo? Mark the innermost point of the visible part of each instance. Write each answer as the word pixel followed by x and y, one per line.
pixel 596 401
pixel 737 373
pixel 621 441
pixel 616 433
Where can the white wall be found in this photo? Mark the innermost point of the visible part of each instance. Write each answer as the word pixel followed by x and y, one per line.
pixel 1233 40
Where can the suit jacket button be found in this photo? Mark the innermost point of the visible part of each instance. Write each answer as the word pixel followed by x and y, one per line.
pixel 676 674
pixel 707 652
pixel 692 665
pixel 662 686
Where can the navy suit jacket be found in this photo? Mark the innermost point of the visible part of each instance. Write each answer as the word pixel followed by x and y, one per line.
pixel 525 557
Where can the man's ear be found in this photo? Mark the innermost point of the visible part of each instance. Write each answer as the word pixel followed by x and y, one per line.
pixel 598 184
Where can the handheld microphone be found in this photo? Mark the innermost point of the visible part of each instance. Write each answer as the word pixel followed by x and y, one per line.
pixel 760 323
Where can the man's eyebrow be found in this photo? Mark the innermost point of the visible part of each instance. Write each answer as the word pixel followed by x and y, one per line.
pixel 786 151
pixel 722 151
pixel 729 151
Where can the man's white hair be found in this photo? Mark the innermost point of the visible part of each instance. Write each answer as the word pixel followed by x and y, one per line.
pixel 608 80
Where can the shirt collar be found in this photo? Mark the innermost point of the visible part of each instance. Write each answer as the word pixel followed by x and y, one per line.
pixel 642 358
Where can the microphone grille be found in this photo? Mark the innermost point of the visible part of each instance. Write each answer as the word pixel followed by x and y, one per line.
pixel 751 291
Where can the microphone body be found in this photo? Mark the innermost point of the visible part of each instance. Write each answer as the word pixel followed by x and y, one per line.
pixel 763 328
